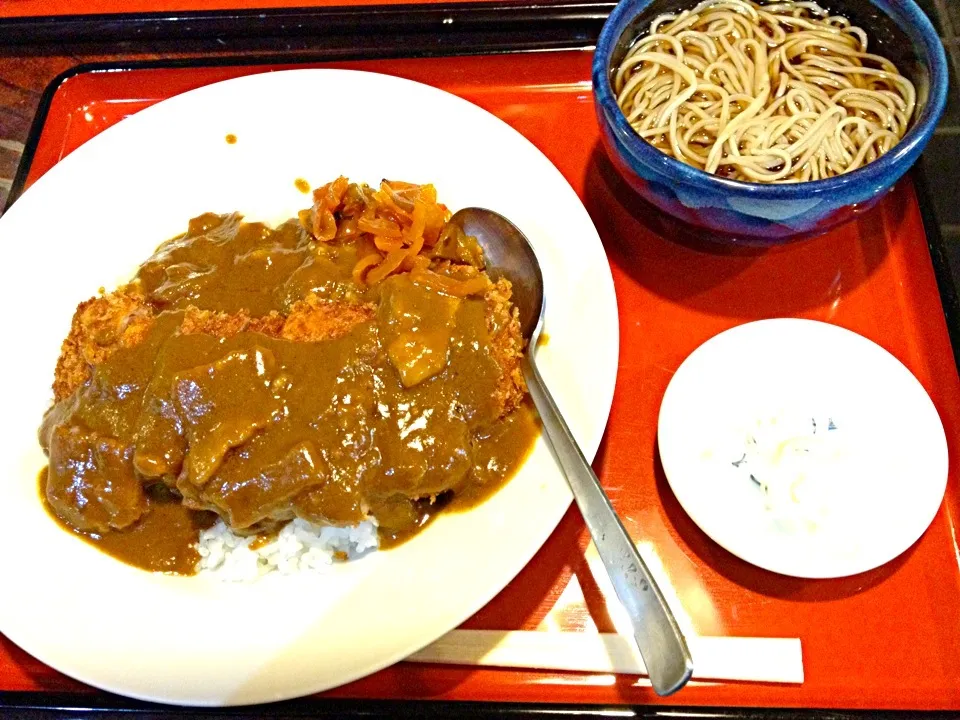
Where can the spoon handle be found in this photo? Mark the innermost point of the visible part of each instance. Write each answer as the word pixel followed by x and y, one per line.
pixel 661 643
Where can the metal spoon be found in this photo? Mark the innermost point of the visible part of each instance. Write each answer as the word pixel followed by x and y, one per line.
pixel 665 653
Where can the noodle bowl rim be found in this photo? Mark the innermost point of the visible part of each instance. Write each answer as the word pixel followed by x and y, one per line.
pixel 905 14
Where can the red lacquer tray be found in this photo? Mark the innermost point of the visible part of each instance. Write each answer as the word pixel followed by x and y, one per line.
pixel 885 639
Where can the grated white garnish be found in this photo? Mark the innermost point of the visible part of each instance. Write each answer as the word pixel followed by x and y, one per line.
pixel 796 463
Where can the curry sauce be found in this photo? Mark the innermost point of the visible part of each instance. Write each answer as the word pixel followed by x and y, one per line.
pixel 258 374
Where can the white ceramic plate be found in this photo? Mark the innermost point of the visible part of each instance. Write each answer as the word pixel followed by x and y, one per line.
pixel 843 499
pixel 101 211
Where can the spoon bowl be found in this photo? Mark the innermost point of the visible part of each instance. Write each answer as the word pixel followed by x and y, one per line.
pixel 509 255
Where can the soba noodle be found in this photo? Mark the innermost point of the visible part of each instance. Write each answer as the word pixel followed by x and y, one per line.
pixel 783 92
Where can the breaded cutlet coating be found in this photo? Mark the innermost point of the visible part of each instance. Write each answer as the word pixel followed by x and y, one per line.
pixel 310 320
pixel 121 319
pixel 222 324
pixel 313 319
pixel 503 324
pixel 506 344
pixel 100 326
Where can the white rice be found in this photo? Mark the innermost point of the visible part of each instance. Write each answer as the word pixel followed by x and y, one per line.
pixel 300 546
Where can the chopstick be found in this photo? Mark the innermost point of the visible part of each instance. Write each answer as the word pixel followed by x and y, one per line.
pixel 714 658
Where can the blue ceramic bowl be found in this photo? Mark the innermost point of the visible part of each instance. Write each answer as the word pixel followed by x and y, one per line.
pixel 754 213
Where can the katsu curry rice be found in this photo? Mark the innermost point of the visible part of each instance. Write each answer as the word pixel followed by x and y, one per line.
pixel 258 399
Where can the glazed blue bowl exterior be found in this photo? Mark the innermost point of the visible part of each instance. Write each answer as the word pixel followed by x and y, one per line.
pixel 769 214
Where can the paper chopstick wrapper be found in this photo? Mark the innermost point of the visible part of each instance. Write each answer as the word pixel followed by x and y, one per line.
pixel 714 658
pixel 751 659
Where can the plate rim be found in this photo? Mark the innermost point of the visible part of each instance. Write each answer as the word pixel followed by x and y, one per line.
pixel 608 391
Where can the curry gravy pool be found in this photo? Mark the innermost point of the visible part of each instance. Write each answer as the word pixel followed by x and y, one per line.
pixel 354 363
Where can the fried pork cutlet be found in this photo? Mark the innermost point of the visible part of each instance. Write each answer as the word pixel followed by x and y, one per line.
pixel 507 346
pixel 121 319
pixel 184 441
pixel 356 363
pixel 309 320
pixel 100 326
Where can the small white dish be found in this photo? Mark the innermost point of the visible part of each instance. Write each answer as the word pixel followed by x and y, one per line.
pixel 803 448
